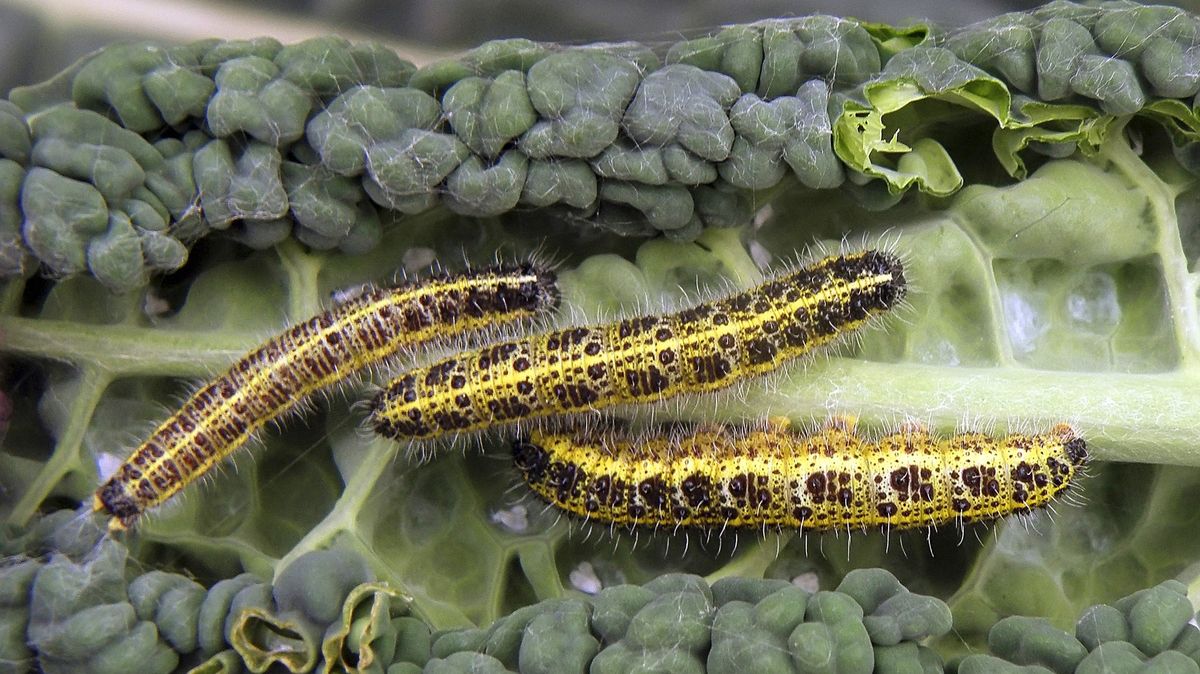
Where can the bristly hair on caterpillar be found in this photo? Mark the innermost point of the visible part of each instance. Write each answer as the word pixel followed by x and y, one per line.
pixel 643 359
pixel 770 477
pixel 359 332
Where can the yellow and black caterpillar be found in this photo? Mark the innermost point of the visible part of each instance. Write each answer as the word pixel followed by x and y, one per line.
pixel 310 356
pixel 644 359
pixel 772 477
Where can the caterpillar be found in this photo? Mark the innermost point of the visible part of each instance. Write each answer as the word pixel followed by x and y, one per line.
pixel 326 349
pixel 834 479
pixel 647 358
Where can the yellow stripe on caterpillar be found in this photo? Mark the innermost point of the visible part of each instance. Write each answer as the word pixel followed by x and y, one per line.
pixel 360 331
pixel 834 479
pixel 644 359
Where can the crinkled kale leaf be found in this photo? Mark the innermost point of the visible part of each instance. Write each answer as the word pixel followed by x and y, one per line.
pixel 75 599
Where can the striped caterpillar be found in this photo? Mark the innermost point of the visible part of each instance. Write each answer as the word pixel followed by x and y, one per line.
pixel 648 358
pixel 834 479
pixel 322 351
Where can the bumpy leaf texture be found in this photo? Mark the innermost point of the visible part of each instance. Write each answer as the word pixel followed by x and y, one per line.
pixel 1035 171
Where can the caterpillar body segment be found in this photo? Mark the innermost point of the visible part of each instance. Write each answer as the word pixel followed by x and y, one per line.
pixel 358 332
pixel 772 477
pixel 643 359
